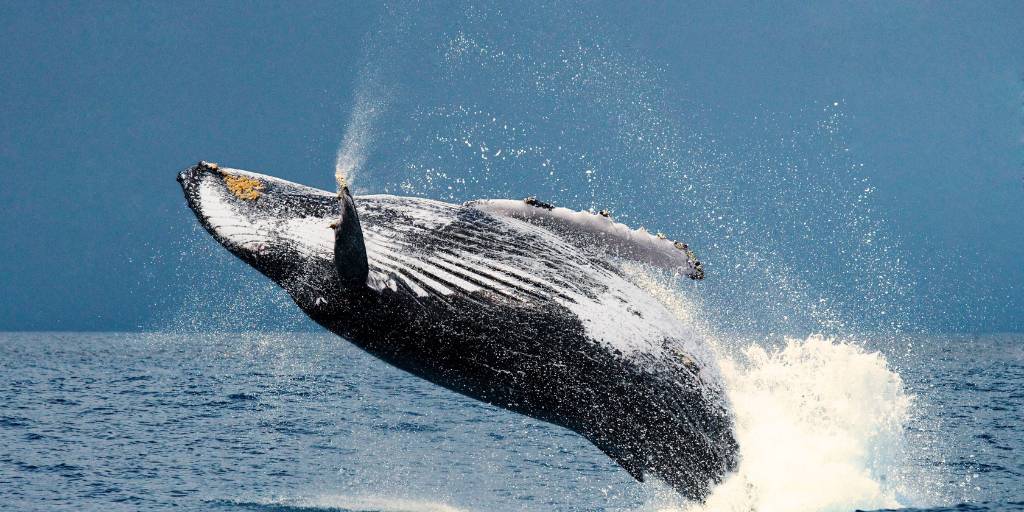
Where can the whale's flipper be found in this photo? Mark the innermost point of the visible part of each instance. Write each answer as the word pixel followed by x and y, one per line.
pixel 599 231
pixel 349 248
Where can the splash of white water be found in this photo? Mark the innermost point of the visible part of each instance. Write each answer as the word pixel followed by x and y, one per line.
pixel 820 426
pixel 370 103
pixel 820 423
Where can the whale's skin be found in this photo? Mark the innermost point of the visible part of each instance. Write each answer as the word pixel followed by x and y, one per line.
pixel 496 308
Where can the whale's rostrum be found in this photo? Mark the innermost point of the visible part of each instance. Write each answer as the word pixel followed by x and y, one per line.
pixel 516 303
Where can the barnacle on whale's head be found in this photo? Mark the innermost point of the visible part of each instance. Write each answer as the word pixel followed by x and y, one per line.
pixel 244 187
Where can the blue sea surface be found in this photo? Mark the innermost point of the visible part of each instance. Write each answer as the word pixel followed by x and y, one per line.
pixel 305 421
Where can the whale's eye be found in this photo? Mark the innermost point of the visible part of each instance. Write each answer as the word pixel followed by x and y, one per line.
pixel 244 187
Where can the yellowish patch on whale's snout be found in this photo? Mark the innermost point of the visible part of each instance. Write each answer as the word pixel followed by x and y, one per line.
pixel 244 187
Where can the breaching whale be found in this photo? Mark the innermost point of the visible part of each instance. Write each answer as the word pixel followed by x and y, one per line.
pixel 515 303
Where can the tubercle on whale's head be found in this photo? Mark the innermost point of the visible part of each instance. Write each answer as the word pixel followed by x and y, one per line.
pixel 279 227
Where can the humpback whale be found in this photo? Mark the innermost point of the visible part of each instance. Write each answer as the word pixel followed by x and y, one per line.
pixel 515 303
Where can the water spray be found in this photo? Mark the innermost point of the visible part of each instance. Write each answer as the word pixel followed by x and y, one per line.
pixel 355 144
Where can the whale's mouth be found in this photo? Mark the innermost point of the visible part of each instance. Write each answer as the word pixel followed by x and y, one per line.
pixel 270 223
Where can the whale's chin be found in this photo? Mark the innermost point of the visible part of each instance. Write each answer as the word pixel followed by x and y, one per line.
pixel 277 226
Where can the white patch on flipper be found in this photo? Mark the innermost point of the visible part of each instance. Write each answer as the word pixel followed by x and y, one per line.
pixel 610 318
pixel 614 238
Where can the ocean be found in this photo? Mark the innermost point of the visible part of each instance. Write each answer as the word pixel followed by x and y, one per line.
pixel 305 421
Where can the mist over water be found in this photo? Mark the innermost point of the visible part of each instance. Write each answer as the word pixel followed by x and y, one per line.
pixel 370 102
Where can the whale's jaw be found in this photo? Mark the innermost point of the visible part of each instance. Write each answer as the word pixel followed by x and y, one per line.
pixel 283 229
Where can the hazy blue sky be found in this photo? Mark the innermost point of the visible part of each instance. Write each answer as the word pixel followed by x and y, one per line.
pixel 102 103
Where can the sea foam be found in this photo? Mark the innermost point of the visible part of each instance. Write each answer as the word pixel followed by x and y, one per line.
pixel 820 427
pixel 820 422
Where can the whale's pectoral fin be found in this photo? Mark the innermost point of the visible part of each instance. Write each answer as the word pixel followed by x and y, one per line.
pixel 349 249
pixel 598 231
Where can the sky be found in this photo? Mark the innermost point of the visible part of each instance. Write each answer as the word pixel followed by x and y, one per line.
pixel 767 118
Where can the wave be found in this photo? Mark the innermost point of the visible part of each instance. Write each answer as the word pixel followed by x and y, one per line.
pixel 343 503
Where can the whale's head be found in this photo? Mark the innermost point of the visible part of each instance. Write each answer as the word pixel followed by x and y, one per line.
pixel 283 229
